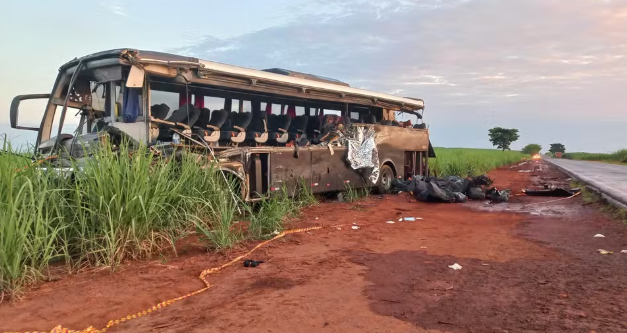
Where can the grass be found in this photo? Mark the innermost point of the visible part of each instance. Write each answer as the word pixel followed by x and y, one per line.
pixel 122 205
pixel 591 197
pixel 352 194
pixel 470 162
pixel 616 157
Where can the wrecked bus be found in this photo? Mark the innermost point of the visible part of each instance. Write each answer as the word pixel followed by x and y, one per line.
pixel 270 129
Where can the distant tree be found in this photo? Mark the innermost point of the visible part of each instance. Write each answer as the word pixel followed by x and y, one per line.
pixel 502 138
pixel 532 149
pixel 557 148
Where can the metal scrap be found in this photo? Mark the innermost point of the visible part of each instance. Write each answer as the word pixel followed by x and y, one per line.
pixel 363 153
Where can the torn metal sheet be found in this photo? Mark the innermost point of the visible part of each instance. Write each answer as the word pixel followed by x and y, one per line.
pixel 363 153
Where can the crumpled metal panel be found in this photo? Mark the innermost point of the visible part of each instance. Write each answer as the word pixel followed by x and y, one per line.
pixel 363 153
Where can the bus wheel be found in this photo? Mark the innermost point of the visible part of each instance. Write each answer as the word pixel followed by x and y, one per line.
pixel 384 183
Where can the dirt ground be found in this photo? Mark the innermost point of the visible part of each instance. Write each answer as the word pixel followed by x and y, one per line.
pixel 526 268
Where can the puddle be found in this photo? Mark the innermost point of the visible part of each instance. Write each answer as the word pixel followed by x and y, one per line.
pixel 525 208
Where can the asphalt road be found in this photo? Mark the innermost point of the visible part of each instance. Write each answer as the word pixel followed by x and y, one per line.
pixel 610 179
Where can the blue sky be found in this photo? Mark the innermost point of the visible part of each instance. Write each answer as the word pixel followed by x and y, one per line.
pixel 555 69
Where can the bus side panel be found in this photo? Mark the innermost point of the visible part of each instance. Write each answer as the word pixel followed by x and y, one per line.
pixel 288 170
pixel 333 172
pixel 393 142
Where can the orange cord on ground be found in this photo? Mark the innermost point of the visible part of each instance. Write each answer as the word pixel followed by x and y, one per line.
pixel 203 277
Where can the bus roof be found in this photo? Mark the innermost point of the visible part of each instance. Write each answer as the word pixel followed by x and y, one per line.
pixel 276 76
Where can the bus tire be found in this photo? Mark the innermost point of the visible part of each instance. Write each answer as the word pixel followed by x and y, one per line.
pixel 384 183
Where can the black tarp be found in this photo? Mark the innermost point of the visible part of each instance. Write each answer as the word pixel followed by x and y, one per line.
pixel 448 189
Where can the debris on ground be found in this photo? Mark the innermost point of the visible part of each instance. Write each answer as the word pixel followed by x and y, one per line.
pixel 552 191
pixel 601 251
pixel 390 222
pixel 450 189
pixel 599 236
pixel 355 227
pixel 253 263
pixel 623 251
pixel 455 266
pixel 525 171
pixel 498 196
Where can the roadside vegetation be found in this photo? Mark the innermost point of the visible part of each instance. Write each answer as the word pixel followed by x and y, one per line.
pixel 125 206
pixel 591 197
pixel 616 157
pixel 532 149
pixel 471 162
pixel 120 206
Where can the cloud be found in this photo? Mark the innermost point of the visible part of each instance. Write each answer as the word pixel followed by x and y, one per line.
pixel 115 8
pixel 460 56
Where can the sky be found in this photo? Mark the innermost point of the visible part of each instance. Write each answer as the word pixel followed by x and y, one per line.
pixel 554 69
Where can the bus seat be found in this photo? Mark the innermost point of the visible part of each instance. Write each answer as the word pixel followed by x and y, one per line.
pixel 238 122
pixel 368 119
pixel 182 119
pixel 298 128
pixel 258 129
pixel 313 129
pixel 277 129
pixel 203 119
pixel 187 114
pixel 160 111
pixel 209 124
pixel 420 126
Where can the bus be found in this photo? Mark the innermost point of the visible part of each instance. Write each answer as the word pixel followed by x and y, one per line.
pixel 269 129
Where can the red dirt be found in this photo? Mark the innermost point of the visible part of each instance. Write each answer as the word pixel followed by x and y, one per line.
pixel 521 273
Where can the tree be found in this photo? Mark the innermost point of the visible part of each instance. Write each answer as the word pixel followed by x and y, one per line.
pixel 532 149
pixel 557 148
pixel 502 138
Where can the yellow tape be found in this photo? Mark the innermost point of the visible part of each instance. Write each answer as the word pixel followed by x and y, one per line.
pixel 203 276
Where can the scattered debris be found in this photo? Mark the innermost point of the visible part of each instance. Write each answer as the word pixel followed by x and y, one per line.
pixel 498 196
pixel 390 222
pixel 338 228
pixel 316 218
pixel 423 247
pixel 410 219
pixel 552 191
pixel 525 171
pixel 599 236
pixel 449 189
pixel 253 263
pixel 601 251
pixel 623 251
pixel 456 266
pixel 485 264
pixel 355 227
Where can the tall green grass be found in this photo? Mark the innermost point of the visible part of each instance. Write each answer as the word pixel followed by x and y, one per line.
pixel 619 156
pixel 123 205
pixel 119 205
pixel 470 162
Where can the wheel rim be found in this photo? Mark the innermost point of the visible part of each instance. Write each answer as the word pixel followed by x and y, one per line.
pixel 386 180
